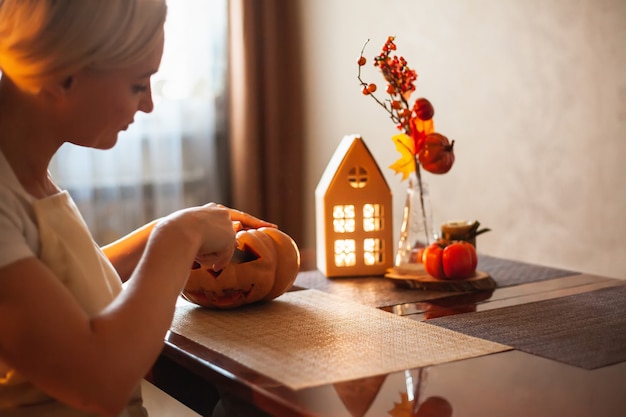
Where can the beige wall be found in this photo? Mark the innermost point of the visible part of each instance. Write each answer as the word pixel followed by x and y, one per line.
pixel 533 92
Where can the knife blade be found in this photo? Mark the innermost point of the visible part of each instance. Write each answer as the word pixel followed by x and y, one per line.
pixel 243 255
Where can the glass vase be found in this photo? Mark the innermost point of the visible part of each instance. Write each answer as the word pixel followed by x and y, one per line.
pixel 417 230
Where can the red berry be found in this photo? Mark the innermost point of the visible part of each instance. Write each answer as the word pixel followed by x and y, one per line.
pixel 371 88
pixel 361 61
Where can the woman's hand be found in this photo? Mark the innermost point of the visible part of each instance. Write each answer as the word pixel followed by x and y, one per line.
pixel 126 252
pixel 208 229
pixel 217 225
pixel 239 221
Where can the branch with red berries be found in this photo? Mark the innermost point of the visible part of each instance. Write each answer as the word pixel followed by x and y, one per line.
pixel 418 143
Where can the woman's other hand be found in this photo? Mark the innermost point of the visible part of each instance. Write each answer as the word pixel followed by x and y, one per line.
pixel 239 221
pixel 243 220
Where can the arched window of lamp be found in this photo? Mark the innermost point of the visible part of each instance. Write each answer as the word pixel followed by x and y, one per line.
pixel 168 159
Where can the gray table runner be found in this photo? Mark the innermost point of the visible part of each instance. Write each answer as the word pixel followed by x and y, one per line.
pixel 507 273
pixel 382 292
pixel 584 330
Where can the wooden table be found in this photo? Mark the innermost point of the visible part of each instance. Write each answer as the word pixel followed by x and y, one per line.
pixel 511 383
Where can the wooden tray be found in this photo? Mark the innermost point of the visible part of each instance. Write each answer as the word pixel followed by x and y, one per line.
pixel 419 279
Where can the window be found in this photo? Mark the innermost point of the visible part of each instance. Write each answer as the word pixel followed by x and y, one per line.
pixel 345 252
pixel 372 251
pixel 372 217
pixel 344 219
pixel 357 177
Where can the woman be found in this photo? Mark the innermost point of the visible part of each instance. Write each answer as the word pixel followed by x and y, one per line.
pixel 71 341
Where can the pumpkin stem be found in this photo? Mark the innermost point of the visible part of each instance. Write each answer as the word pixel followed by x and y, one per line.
pixel 473 232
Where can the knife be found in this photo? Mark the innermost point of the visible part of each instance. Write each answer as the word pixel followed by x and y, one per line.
pixel 243 255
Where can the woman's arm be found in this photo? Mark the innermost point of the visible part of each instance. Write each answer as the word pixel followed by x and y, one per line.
pixel 95 362
pixel 125 252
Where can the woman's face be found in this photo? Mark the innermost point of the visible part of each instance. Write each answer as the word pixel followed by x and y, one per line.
pixel 100 104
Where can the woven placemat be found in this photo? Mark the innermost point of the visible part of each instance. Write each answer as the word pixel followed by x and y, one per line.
pixel 585 330
pixel 507 273
pixel 309 338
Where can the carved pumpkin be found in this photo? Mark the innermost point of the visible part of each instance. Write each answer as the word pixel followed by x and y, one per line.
pixel 269 275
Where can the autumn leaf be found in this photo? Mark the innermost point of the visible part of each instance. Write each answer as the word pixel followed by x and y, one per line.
pixel 419 130
pixel 406 164
pixel 403 408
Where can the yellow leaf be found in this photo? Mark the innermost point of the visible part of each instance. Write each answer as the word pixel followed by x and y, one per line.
pixel 406 164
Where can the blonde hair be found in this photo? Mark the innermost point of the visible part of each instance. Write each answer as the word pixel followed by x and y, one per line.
pixel 48 40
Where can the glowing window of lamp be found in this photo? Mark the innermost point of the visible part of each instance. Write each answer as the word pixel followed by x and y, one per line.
pixel 344 219
pixel 372 217
pixel 372 251
pixel 345 252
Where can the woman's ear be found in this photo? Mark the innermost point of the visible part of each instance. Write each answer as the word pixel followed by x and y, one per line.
pixel 59 87
pixel 68 82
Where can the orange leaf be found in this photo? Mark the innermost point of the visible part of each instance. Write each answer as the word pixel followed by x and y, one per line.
pixel 419 130
pixel 402 409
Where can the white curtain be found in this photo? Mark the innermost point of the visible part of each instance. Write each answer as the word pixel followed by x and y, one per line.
pixel 167 159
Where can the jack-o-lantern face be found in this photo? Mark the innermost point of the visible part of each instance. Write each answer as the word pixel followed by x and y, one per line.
pixel 269 275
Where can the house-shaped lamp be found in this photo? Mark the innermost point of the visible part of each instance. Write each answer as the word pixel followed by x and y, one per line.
pixel 353 214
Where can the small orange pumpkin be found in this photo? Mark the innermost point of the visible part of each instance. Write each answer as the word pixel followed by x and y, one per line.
pixel 269 275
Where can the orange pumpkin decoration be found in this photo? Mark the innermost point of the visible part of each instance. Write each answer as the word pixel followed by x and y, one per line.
pixel 269 275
